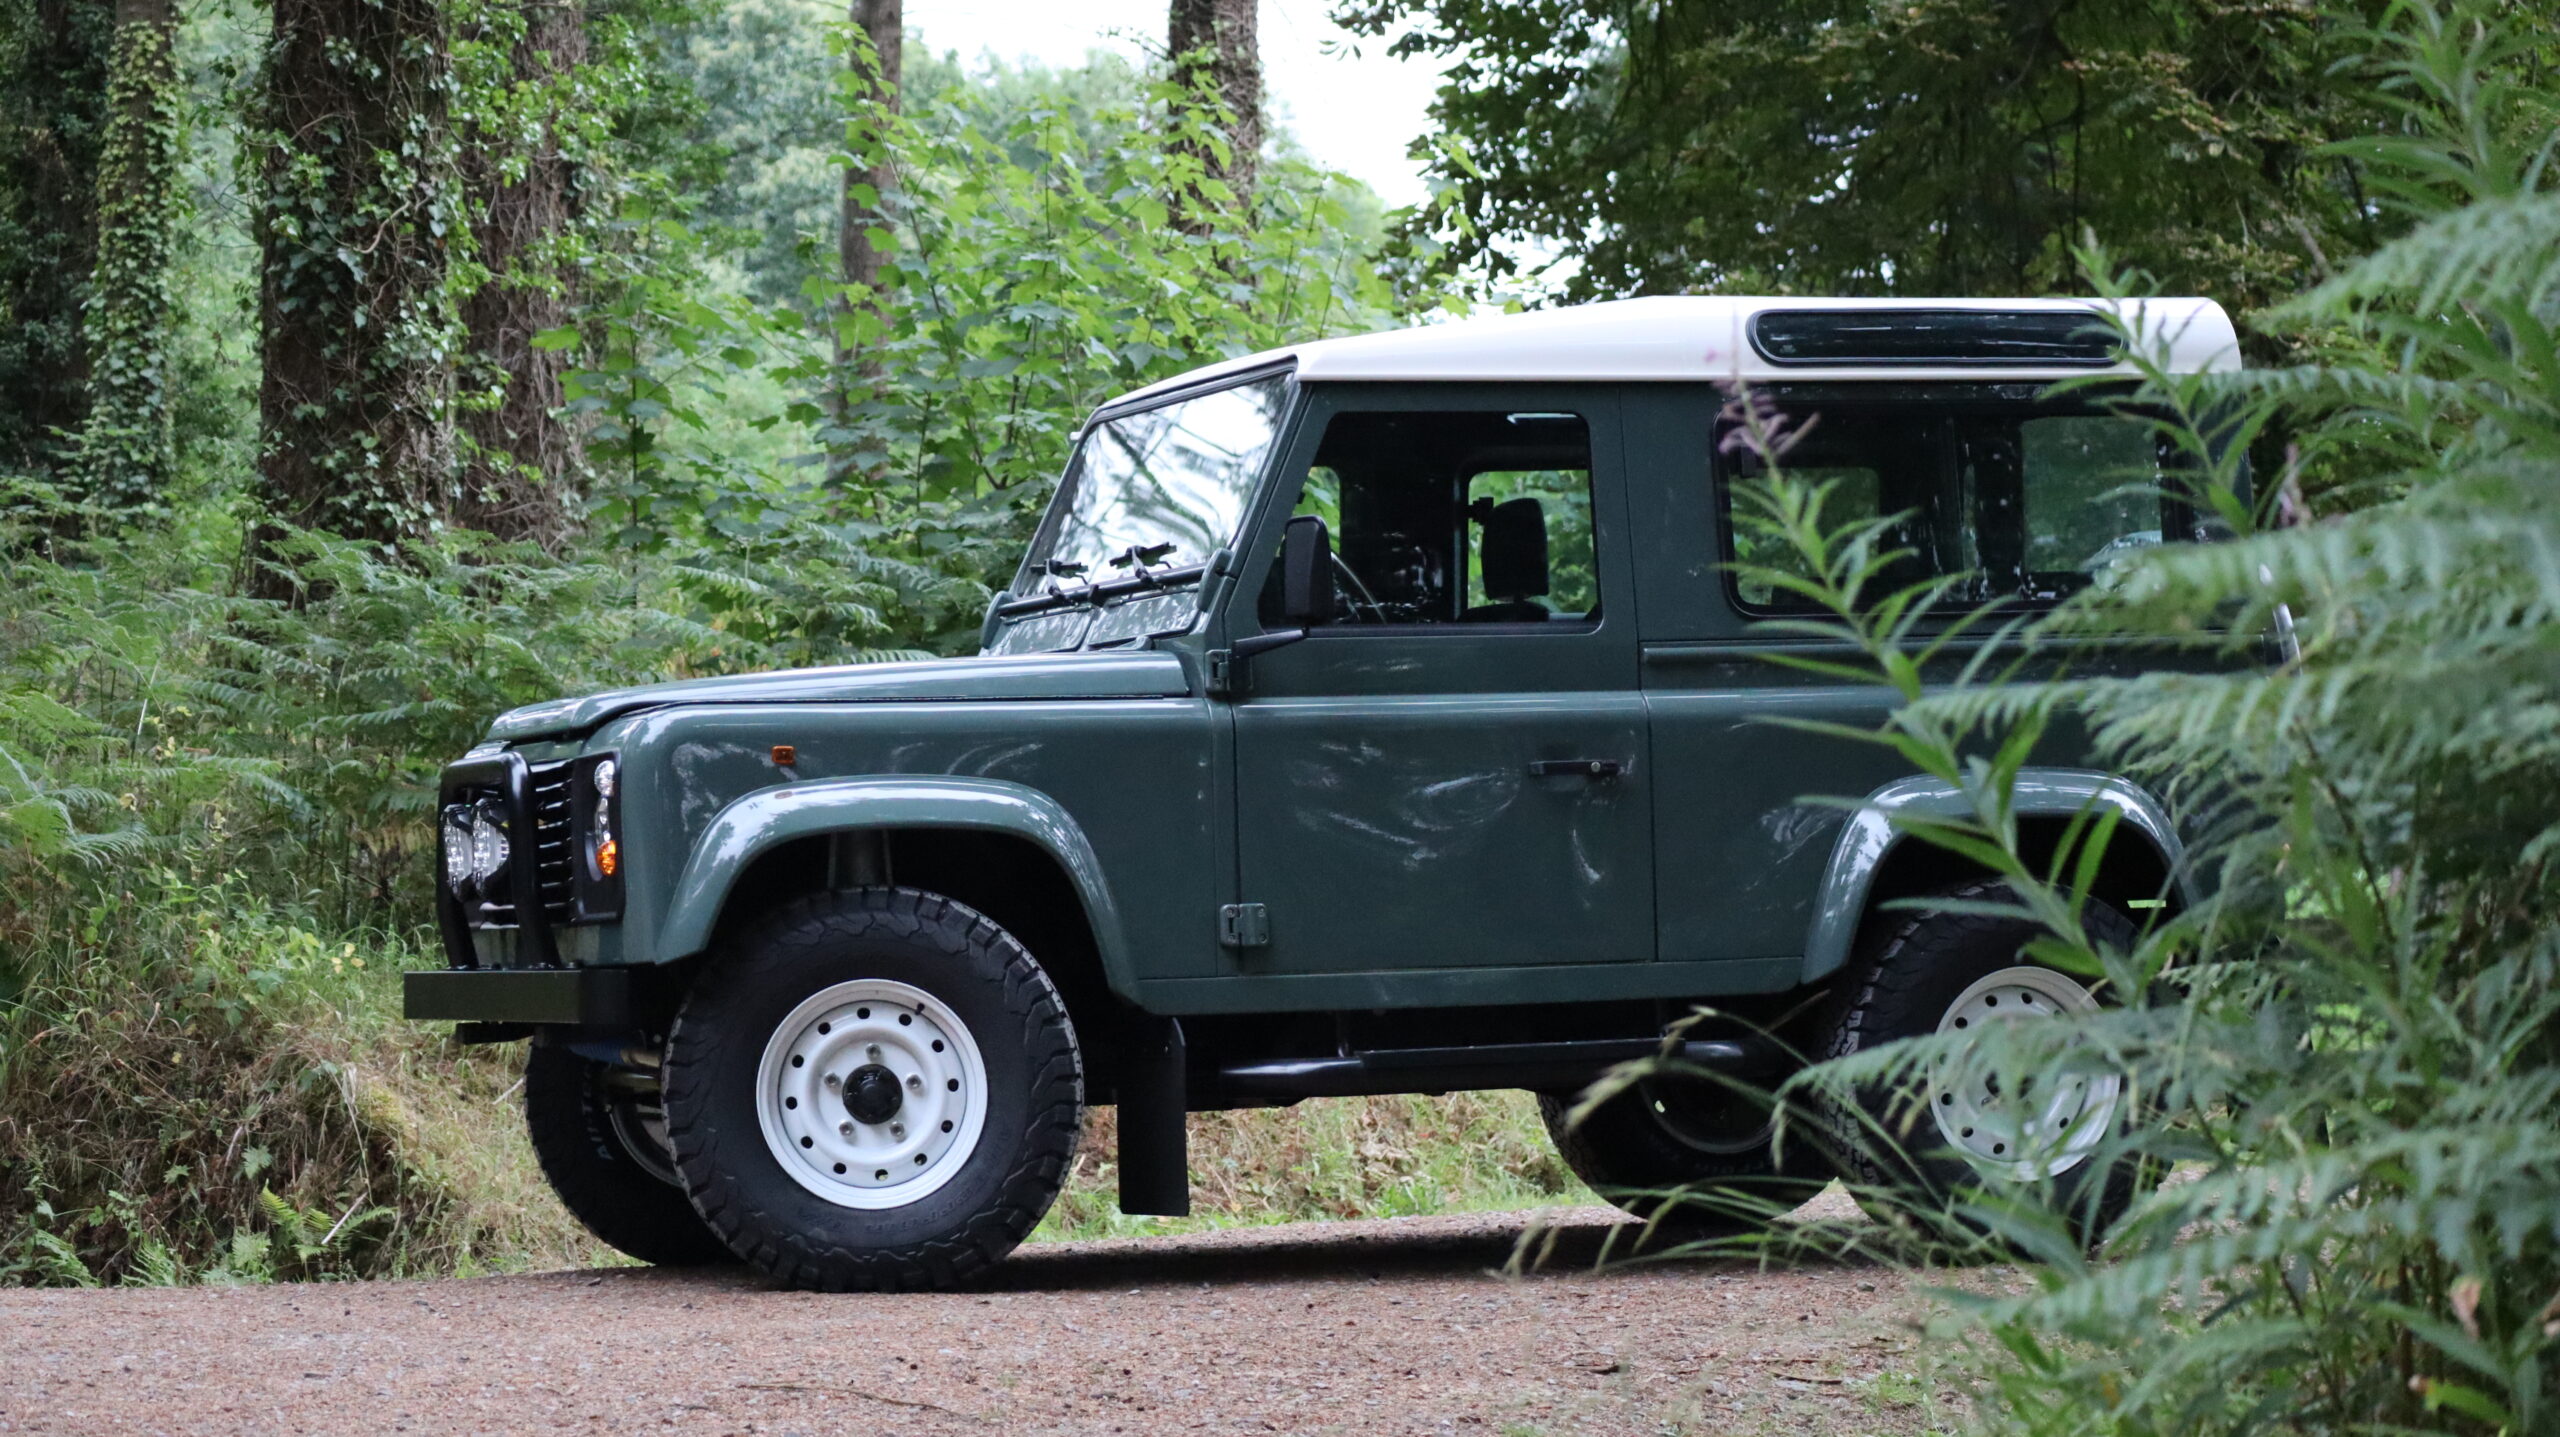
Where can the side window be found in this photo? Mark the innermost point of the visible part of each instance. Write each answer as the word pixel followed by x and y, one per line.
pixel 1455 517
pixel 2022 501
pixel 2094 496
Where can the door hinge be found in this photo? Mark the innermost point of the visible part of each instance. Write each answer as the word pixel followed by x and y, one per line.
pixel 1244 925
pixel 1220 672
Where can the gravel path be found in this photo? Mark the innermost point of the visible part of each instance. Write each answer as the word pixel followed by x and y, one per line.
pixel 1396 1326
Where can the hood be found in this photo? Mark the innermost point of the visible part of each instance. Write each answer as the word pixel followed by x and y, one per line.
pixel 1037 676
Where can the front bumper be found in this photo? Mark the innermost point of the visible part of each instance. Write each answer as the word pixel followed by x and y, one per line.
pixel 582 997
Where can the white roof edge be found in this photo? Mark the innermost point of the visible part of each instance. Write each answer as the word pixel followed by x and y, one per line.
pixel 1690 338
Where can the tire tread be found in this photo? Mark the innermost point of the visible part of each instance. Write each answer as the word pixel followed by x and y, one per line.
pixel 1030 1183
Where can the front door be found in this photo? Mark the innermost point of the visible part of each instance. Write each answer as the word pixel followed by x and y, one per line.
pixel 1452 774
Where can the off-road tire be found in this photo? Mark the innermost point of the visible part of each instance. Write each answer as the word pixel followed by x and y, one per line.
pixel 1034 1101
pixel 1900 988
pixel 1625 1151
pixel 568 1113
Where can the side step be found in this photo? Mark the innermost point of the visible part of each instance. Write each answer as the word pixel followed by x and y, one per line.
pixel 1537 1066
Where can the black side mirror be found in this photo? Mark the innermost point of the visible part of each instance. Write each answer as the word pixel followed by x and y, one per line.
pixel 1306 573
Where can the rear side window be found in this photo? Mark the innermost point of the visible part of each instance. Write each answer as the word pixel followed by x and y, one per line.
pixel 2020 500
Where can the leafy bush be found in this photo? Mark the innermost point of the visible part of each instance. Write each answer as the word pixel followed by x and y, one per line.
pixel 2350 1046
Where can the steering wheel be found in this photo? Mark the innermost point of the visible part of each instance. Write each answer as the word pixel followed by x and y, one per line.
pixel 1354 597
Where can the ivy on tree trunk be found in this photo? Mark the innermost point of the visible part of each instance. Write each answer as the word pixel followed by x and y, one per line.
pixel 356 326
pixel 1215 46
pixel 875 65
pixel 519 454
pixel 127 453
pixel 53 83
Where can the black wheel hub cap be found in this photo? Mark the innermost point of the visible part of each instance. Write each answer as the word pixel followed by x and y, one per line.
pixel 873 1094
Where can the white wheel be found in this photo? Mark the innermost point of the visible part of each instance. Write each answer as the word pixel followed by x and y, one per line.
pixel 2049 1124
pixel 872 1094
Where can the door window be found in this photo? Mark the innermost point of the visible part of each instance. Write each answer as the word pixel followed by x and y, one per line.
pixel 1455 518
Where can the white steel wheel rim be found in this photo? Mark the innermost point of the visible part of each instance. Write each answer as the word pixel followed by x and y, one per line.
pixel 2027 1135
pixel 817 1096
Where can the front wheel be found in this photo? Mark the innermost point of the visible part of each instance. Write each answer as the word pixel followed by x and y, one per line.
pixel 874 1090
pixel 601 1140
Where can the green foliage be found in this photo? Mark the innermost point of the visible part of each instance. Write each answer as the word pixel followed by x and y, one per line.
pixel 127 448
pixel 1033 273
pixel 2350 1050
pixel 53 74
pixel 1036 272
pixel 202 1088
pixel 1951 147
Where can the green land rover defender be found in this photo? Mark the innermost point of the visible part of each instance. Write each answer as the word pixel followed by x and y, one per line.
pixel 1382 715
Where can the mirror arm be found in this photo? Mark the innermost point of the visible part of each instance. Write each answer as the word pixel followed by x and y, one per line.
pixel 1252 644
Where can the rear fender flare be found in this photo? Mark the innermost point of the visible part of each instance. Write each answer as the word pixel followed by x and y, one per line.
pixel 1869 838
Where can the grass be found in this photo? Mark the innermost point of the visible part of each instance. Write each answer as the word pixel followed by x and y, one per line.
pixel 1332 1158
pixel 246 1103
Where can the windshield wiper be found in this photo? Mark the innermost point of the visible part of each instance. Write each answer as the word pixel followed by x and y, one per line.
pixel 1139 580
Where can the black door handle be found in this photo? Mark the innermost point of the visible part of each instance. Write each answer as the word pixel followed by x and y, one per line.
pixel 1576 768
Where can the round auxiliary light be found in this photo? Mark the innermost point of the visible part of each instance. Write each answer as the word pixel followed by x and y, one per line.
pixel 488 843
pixel 457 849
pixel 607 772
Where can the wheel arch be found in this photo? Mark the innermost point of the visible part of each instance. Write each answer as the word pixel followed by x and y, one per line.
pixel 1873 862
pixel 1004 849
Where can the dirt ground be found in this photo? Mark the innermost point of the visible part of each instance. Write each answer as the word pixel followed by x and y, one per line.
pixel 1396 1326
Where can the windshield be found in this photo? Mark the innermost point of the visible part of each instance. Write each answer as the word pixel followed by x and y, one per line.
pixel 1179 475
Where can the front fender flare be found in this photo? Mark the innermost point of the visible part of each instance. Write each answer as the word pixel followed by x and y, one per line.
pixel 768 818
pixel 1869 836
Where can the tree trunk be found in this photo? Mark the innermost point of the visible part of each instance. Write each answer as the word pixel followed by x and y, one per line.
pixel 878 78
pixel 53 88
pixel 356 333
pixel 1218 37
pixel 520 455
pixel 127 455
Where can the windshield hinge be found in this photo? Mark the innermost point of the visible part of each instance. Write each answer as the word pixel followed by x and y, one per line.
pixel 1219 673
pixel 1244 925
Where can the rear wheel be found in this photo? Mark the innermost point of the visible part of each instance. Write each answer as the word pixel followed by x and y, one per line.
pixel 601 1139
pixel 874 1090
pixel 2041 1136
pixel 1686 1151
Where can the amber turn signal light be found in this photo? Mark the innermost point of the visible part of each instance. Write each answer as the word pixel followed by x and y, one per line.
pixel 608 857
pixel 784 755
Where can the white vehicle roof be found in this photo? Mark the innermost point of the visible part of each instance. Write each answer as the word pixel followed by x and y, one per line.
pixel 1703 337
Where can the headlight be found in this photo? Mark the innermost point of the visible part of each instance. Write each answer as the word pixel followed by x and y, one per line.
pixel 607 853
pixel 457 848
pixel 488 842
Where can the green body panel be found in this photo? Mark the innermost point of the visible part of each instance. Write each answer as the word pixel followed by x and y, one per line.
pixel 1119 791
pixel 1371 791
